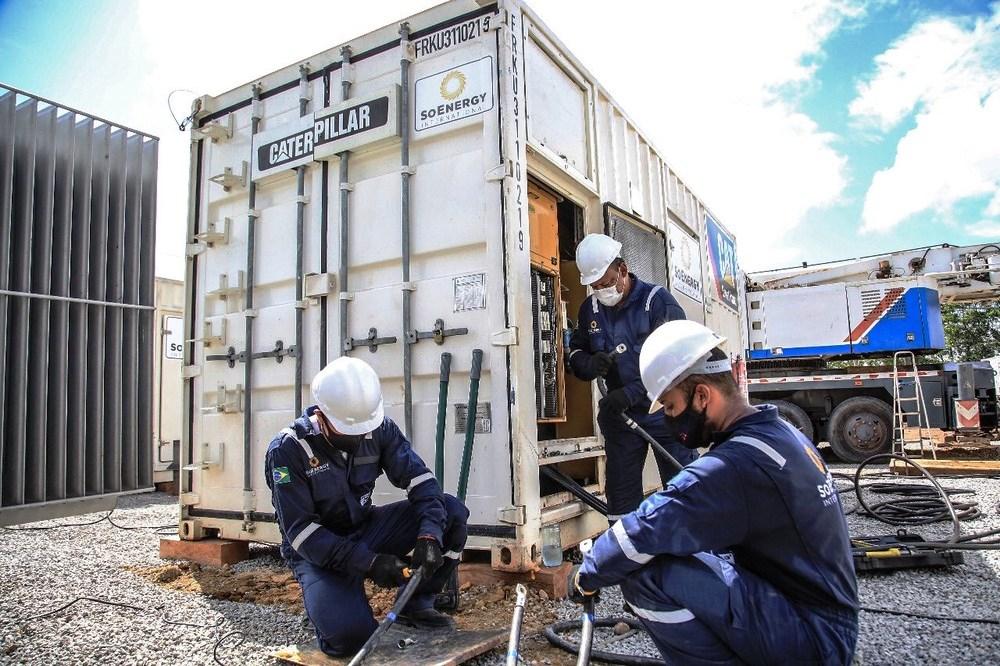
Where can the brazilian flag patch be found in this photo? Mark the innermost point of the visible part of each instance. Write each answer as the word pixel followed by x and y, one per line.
pixel 281 475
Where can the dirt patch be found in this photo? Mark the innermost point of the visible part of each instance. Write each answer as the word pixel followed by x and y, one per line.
pixel 482 607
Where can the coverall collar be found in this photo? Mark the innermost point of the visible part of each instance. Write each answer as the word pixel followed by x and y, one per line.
pixel 764 414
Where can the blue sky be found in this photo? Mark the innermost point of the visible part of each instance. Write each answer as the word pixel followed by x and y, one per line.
pixel 814 129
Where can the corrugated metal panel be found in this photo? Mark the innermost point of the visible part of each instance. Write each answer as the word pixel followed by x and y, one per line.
pixel 77 199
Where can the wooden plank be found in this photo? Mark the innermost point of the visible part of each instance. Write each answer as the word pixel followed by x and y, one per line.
pixel 437 648
pixel 948 467
pixel 550 579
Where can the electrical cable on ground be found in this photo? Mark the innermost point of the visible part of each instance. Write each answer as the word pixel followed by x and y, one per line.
pixel 929 616
pixel 553 630
pixel 232 634
pixel 107 517
pixel 119 604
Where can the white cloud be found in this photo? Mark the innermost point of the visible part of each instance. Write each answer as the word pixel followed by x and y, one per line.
pixel 985 229
pixel 949 75
pixel 715 86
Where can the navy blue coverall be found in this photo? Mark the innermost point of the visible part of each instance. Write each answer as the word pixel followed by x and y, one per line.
pixel 784 590
pixel 331 532
pixel 601 329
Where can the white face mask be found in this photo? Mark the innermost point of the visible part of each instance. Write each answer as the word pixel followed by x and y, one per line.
pixel 609 296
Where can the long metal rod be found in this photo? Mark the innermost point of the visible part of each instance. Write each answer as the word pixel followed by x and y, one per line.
pixel 70 299
pixel 342 272
pixel 390 618
pixel 300 217
pixel 442 417
pixel 408 338
pixel 586 633
pixel 470 423
pixel 249 318
pixel 514 642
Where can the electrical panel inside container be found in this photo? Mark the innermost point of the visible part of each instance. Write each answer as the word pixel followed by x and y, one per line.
pixel 546 333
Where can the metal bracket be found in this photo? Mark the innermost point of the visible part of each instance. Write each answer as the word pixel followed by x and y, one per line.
pixel 409 170
pixel 319 284
pixel 190 371
pixel 208 336
pixel 229 401
pixel 227 179
pixel 232 357
pixel 372 341
pixel 500 171
pixel 505 338
pixel 225 290
pixel 208 458
pixel 213 234
pixel 438 334
pixel 215 130
pixel 193 249
pixel 512 515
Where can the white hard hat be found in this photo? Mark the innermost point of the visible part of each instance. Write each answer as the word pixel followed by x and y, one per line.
pixel 593 256
pixel 349 393
pixel 673 352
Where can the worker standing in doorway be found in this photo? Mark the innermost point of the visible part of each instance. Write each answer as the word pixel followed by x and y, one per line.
pixel 622 310
pixel 322 471
pixel 745 556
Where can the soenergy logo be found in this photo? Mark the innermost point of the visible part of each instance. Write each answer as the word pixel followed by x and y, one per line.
pixel 454 94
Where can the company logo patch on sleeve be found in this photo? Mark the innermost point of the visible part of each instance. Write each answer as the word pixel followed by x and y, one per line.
pixel 281 475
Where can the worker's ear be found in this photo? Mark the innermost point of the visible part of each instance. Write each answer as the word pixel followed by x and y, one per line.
pixel 701 396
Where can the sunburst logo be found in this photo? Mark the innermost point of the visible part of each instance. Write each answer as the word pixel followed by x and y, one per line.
pixel 814 457
pixel 452 85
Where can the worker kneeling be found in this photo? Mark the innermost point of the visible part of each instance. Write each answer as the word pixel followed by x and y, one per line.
pixel 744 556
pixel 322 471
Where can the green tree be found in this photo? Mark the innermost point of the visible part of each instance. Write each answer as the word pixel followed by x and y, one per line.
pixel 971 330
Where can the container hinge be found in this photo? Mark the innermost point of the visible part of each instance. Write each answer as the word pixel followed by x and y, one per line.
pixel 194 249
pixel 256 107
pixel 215 130
pixel 505 338
pixel 213 234
pixel 210 457
pixel 249 501
pixel 228 401
pixel 319 284
pixel 190 371
pixel 512 515
pixel 208 335
pixel 500 171
pixel 372 341
pixel 228 179
pixel 305 94
pixel 438 334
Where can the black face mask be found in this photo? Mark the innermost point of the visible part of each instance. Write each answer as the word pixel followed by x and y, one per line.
pixel 348 443
pixel 689 428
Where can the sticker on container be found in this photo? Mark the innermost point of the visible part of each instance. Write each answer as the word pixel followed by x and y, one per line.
pixel 452 36
pixel 722 258
pixel 173 338
pixel 460 92
pixel 470 292
pixel 685 264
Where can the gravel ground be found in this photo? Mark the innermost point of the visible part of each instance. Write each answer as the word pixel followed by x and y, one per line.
pixel 42 570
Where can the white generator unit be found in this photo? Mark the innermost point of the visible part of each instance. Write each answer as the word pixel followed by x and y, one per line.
pixel 420 190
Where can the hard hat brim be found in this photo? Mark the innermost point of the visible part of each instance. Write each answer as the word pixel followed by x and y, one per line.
pixel 586 281
pixel 359 428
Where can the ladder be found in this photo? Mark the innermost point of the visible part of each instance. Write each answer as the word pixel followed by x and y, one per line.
pixel 904 365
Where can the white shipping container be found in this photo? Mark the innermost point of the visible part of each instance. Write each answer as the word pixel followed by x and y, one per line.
pixel 381 190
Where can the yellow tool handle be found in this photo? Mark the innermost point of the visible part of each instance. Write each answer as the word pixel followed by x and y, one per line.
pixel 888 552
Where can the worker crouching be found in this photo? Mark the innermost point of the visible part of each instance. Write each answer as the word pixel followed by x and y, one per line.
pixel 322 471
pixel 744 557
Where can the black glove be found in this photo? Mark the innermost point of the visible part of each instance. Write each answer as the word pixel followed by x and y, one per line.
pixel 576 593
pixel 615 402
pixel 387 571
pixel 427 554
pixel 601 364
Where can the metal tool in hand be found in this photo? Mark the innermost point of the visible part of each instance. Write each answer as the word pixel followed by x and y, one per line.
pixel 514 644
pixel 658 448
pixel 401 601
pixel 587 619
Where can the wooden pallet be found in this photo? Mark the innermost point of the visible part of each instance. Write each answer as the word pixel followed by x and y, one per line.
pixel 948 467
pixel 438 648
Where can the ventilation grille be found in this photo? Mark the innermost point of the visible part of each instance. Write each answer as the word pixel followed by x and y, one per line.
pixel 872 298
pixel 643 249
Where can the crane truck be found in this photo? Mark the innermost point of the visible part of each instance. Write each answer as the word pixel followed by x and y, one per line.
pixel 824 341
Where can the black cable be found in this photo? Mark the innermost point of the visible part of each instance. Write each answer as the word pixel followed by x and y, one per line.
pixel 106 517
pixel 928 616
pixel 119 604
pixel 552 636
pixel 215 651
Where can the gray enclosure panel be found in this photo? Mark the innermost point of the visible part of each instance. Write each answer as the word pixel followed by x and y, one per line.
pixel 77 220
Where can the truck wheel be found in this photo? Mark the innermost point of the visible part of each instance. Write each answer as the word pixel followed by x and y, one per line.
pixel 860 427
pixel 796 416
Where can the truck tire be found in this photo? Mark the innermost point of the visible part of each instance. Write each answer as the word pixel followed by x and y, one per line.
pixel 860 428
pixel 796 416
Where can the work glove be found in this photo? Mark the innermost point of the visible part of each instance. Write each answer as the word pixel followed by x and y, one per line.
pixel 388 571
pixel 601 364
pixel 576 593
pixel 427 554
pixel 615 402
